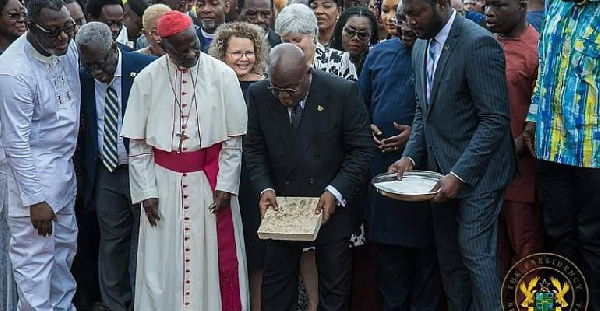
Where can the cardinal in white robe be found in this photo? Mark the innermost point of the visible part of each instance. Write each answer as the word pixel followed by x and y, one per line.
pixel 185 118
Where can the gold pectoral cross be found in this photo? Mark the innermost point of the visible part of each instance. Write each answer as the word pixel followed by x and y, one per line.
pixel 182 137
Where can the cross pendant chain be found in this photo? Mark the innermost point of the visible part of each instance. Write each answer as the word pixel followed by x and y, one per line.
pixel 182 137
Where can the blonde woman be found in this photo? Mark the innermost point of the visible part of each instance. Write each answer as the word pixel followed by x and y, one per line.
pixel 149 21
pixel 243 47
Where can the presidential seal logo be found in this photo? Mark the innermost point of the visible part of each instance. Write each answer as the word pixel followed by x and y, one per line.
pixel 544 282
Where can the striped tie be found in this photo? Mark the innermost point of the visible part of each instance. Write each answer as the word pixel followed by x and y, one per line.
pixel 110 156
pixel 430 68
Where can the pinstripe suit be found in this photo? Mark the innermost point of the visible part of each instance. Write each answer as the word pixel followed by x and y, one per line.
pixel 466 129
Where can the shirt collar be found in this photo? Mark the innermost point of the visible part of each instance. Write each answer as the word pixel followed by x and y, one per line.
pixel 443 34
pixel 118 70
pixel 208 35
pixel 37 55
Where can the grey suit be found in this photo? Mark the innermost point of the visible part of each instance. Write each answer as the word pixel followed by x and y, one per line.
pixel 465 129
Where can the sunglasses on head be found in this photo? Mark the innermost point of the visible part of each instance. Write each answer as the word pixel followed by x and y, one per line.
pixel 351 33
pixel 16 16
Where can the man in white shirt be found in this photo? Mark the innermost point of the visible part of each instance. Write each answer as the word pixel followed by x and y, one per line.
pixel 39 108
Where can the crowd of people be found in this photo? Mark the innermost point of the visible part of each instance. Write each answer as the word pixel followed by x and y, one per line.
pixel 141 143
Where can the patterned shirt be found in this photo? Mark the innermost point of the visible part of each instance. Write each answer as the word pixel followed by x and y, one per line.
pixel 566 102
pixel 334 62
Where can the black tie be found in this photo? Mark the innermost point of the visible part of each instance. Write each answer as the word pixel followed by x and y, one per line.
pixel 296 117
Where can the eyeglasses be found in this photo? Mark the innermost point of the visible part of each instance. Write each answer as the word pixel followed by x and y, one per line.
pixel 278 90
pixel 16 16
pixel 89 68
pixel 361 35
pixel 240 54
pixel 53 34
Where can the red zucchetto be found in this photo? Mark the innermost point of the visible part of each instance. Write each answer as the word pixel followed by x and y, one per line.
pixel 173 22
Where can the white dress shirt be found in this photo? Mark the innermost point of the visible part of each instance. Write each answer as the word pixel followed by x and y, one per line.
pixel 40 98
pixel 100 90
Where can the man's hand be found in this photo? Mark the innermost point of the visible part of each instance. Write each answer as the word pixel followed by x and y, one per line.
pixel 326 205
pixel 401 166
pixel 398 142
pixel 151 209
pixel 448 187
pixel 42 216
pixel 520 147
pixel 221 200
pixel 376 134
pixel 267 200
pixel 529 137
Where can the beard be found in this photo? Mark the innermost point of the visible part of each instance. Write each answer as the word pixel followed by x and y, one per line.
pixel 435 25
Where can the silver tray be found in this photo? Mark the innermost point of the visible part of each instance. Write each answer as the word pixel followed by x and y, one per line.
pixel 424 177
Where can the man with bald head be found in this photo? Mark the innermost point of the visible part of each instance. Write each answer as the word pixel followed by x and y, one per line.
pixel 308 136
pixel 185 120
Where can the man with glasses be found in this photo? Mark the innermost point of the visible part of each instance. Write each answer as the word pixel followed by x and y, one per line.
pixel 308 135
pixel 39 108
pixel 185 120
pixel 106 81
pixel 110 12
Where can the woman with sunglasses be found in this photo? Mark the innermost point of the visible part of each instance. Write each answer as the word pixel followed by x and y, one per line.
pixel 355 32
pixel 242 46
pixel 12 22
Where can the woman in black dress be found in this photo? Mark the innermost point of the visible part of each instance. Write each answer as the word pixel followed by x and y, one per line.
pixel 242 47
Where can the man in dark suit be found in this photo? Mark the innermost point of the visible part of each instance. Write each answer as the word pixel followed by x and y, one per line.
pixel 308 135
pixel 403 231
pixel 261 13
pixel 106 81
pixel 462 123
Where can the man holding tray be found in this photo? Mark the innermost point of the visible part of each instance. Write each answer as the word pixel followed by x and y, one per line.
pixel 462 123
pixel 308 135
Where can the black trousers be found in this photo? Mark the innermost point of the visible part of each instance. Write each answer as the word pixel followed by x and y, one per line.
pixel 571 207
pixel 410 278
pixel 116 218
pixel 281 269
pixel 84 268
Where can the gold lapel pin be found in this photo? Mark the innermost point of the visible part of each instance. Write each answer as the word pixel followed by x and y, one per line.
pixel 133 74
pixel 320 108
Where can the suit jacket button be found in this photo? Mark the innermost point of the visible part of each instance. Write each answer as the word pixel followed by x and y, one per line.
pixel 287 182
pixel 279 156
pixel 311 181
pixel 317 155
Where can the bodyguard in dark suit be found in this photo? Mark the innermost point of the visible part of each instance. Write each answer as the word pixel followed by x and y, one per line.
pixel 308 135
pixel 106 80
pixel 462 123
pixel 403 231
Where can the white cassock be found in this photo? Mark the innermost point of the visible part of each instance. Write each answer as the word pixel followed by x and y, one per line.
pixel 193 260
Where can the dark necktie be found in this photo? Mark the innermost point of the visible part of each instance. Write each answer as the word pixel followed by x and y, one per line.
pixel 110 156
pixel 296 117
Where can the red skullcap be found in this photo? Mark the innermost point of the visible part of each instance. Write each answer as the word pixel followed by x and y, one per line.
pixel 173 22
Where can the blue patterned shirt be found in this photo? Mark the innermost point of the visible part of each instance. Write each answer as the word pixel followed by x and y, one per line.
pixel 566 102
